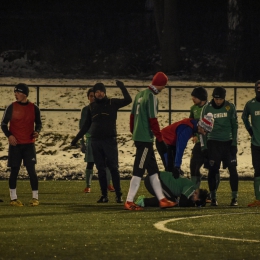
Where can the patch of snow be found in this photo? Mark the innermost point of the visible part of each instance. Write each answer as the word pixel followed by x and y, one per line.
pixel 57 160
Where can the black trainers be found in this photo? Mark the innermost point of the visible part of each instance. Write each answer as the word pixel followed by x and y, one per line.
pixel 119 198
pixel 234 202
pixel 214 202
pixel 103 199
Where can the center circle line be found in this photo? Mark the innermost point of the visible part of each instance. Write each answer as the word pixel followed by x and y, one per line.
pixel 161 226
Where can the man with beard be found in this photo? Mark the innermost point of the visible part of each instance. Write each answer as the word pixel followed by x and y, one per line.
pixel 101 121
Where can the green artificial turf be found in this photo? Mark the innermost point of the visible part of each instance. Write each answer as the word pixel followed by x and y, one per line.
pixel 69 224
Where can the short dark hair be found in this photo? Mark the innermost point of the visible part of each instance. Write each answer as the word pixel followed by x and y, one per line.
pixel 89 91
pixel 257 83
pixel 203 195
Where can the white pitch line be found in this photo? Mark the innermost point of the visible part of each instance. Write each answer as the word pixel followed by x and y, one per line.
pixel 161 226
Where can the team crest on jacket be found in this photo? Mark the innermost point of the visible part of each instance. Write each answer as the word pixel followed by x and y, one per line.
pixel 227 108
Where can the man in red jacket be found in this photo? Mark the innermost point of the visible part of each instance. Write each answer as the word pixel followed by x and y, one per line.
pixel 176 137
pixel 25 125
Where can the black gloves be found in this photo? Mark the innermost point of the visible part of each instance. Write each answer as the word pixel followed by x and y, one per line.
pixel 73 142
pixel 233 150
pixel 120 84
pixel 250 131
pixel 83 148
pixel 177 172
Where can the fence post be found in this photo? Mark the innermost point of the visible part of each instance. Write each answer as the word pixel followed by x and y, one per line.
pixel 170 105
pixel 38 95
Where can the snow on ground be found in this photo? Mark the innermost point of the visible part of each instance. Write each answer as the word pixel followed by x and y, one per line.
pixel 57 160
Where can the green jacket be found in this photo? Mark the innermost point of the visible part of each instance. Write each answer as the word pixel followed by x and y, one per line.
pixel 252 109
pixel 225 123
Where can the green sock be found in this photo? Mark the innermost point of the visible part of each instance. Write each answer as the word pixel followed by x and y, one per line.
pixel 234 194
pixel 108 174
pixel 257 187
pixel 89 174
pixel 217 180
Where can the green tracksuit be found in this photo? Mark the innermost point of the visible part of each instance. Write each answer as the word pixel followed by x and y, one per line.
pixel 177 186
pixel 88 153
pixel 195 112
pixel 220 144
pixel 225 123
pixel 252 110
pixel 145 106
pixel 197 157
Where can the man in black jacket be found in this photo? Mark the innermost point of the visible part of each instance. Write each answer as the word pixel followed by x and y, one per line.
pixel 101 120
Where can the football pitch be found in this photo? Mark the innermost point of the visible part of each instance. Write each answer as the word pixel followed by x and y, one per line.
pixel 69 224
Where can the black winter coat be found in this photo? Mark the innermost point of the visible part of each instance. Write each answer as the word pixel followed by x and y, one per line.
pixel 101 117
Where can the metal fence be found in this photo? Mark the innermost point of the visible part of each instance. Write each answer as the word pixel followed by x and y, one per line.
pixel 170 90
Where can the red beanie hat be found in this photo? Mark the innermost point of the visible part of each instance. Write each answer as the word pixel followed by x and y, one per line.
pixel 159 79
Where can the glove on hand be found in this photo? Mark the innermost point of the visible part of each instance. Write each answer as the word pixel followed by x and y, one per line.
pixel 73 143
pixel 233 150
pixel 250 131
pixel 120 84
pixel 177 172
pixel 83 148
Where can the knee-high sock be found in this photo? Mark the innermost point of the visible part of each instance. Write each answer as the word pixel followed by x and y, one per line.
pixel 257 187
pixel 157 187
pixel 134 186
pixel 89 174
pixel 108 173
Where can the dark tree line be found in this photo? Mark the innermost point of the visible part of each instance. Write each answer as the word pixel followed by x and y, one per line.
pixel 137 36
pixel 241 33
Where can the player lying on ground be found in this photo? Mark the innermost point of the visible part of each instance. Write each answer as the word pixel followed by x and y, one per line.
pixel 181 190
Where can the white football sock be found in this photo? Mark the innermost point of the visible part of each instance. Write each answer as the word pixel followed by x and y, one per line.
pixel 13 194
pixel 134 186
pixel 35 194
pixel 157 187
